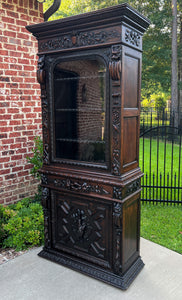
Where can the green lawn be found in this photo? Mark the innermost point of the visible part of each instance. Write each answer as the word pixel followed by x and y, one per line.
pixel 162 224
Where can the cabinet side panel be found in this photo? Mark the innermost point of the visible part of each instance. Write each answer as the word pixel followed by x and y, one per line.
pixel 131 82
pixel 130 140
pixel 131 230
pixel 131 75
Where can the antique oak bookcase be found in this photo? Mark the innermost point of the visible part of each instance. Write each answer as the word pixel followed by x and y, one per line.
pixel 89 70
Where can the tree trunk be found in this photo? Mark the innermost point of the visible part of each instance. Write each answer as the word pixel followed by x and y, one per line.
pixel 174 66
pixel 180 74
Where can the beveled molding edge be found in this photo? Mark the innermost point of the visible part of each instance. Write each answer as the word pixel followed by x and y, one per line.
pixel 119 281
pixel 91 175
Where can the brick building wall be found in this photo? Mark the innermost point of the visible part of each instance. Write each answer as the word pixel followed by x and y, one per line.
pixel 20 109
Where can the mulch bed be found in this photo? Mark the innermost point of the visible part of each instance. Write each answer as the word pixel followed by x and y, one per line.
pixel 8 254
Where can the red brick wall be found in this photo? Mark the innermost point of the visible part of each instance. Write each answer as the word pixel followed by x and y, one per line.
pixel 20 110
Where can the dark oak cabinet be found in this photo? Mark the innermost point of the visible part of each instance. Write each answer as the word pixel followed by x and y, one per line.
pixel 89 69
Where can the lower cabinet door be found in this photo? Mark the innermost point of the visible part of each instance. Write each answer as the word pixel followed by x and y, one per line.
pixel 82 227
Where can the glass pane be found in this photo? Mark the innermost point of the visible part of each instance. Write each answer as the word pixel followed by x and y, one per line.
pixel 79 110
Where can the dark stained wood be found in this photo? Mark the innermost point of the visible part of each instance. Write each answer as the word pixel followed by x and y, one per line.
pixel 131 77
pixel 130 140
pixel 89 70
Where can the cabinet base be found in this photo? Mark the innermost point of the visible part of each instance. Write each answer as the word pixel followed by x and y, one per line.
pixel 120 281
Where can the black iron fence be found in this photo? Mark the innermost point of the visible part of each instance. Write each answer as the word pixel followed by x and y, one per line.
pixel 161 156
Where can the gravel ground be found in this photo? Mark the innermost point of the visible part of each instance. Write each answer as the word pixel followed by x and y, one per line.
pixel 8 254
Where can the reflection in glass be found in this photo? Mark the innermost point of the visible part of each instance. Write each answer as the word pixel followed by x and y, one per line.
pixel 79 110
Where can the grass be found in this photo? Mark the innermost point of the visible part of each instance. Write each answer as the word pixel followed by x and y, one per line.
pixel 162 224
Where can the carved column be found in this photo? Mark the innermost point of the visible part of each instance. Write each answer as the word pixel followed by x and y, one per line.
pixel 117 237
pixel 45 204
pixel 41 77
pixel 115 73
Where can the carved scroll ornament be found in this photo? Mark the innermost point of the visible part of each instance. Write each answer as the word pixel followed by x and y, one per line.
pixel 115 69
pixel 40 70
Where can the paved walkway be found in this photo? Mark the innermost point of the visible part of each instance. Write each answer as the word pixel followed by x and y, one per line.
pixel 31 277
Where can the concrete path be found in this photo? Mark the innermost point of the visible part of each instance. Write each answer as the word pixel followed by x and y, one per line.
pixel 31 277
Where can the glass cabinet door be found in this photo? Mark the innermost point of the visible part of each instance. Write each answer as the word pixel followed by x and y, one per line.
pixel 80 110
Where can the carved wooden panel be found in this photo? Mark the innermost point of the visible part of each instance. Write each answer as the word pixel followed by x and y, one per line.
pixel 82 228
pixel 132 37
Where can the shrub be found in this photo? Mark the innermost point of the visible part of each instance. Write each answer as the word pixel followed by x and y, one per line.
pixel 2 221
pixel 146 104
pixel 37 159
pixel 21 225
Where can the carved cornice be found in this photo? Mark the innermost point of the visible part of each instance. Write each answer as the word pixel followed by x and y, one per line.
pixel 78 39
